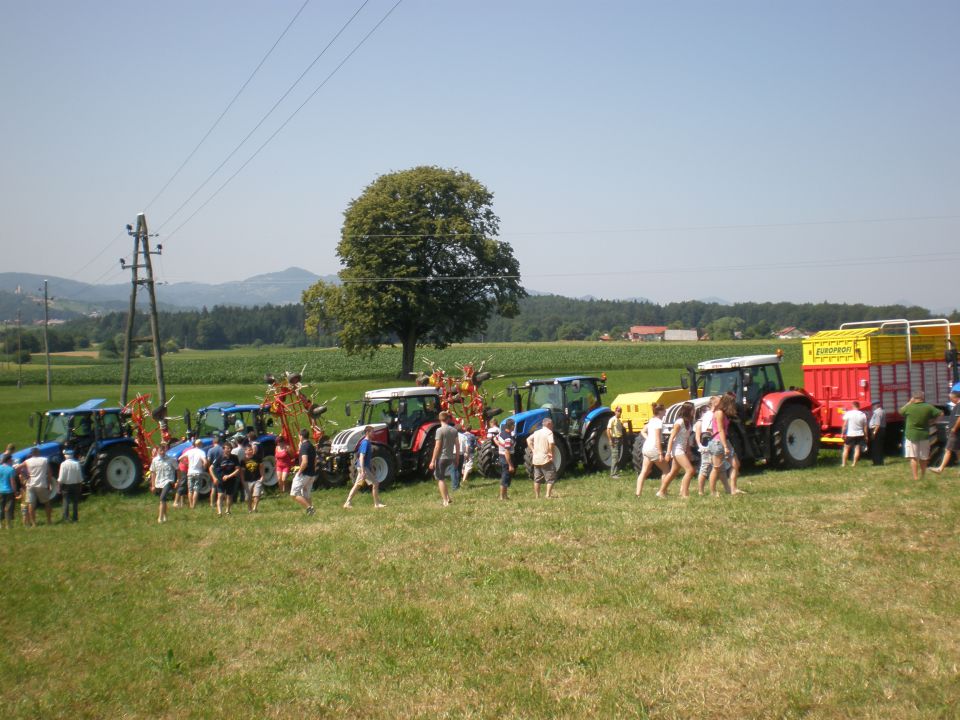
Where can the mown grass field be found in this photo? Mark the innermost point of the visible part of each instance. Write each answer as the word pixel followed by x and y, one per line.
pixel 820 594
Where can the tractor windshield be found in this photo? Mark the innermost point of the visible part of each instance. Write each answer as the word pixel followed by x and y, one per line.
pixel 211 422
pixel 719 382
pixel 56 429
pixel 378 411
pixel 549 397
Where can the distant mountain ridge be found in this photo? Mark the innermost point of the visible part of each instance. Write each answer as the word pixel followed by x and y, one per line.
pixel 70 297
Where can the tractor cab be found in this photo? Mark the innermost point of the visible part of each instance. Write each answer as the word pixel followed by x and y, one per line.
pixel 403 412
pixel 78 428
pixel 100 437
pixel 748 378
pixel 567 400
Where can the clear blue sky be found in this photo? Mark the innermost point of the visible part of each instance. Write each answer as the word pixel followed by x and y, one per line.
pixel 621 139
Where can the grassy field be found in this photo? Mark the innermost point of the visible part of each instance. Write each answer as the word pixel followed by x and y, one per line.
pixel 821 594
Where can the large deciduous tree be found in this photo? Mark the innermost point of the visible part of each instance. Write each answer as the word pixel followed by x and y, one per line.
pixel 420 265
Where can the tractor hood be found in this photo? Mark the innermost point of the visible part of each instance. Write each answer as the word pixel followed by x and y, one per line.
pixel 346 441
pixel 49 450
pixel 528 421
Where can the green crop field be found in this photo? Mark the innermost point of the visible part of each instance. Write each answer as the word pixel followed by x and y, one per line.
pixel 821 593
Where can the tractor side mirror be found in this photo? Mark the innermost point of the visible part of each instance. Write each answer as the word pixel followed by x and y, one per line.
pixel 346 409
pixel 684 382
pixel 31 419
pixel 512 389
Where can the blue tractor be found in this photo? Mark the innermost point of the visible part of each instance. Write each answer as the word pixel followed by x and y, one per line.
pixel 579 423
pixel 234 421
pixel 101 439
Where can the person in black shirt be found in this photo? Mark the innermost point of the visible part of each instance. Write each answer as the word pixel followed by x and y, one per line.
pixel 302 485
pixel 227 487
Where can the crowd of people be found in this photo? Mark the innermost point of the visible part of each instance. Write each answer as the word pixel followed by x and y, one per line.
pixel 236 470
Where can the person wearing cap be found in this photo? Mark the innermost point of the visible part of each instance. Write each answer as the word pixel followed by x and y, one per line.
pixel 40 482
pixel 196 467
pixel 9 489
pixel 615 437
pixel 70 479
pixel 878 432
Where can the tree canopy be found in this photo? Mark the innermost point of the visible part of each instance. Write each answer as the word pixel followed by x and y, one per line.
pixel 421 265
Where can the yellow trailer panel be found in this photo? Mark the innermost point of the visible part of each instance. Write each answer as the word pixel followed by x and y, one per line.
pixel 638 406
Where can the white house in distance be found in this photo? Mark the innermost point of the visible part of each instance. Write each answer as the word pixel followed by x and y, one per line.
pixel 680 335
pixel 791 333
pixel 659 333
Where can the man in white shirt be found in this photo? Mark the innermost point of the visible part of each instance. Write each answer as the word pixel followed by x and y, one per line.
pixel 39 486
pixel 854 433
pixel 70 479
pixel 543 447
pixel 196 468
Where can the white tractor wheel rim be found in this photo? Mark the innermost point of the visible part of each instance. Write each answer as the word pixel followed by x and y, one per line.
pixel 799 440
pixel 121 472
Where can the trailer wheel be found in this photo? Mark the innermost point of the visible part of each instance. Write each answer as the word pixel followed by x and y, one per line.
pixel 118 468
pixel 383 467
pixel 561 458
pixel 597 451
pixel 488 459
pixel 796 438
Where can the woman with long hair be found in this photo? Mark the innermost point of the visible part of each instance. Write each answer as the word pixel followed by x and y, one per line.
pixel 284 458
pixel 677 449
pixel 652 447
pixel 721 448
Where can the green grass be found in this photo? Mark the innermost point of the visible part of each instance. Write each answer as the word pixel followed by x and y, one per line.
pixel 823 593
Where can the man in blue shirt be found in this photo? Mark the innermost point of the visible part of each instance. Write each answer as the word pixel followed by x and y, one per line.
pixel 364 470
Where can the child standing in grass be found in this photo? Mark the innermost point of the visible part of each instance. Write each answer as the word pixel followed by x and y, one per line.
pixel 163 478
pixel 504 441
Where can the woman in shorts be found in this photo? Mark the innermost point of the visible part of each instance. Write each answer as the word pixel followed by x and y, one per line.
pixel 677 452
pixel 721 448
pixel 284 457
pixel 652 447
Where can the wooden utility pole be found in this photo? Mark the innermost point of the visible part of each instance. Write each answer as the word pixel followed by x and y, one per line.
pixel 19 349
pixel 46 341
pixel 141 259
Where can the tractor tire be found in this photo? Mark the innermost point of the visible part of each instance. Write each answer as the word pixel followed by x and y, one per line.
pixel 424 456
pixel 488 459
pixel 118 469
pixel 383 466
pixel 597 451
pixel 561 459
pixel 269 471
pixel 796 438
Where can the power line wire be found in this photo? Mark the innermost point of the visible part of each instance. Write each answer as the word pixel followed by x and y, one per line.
pixel 229 105
pixel 216 122
pixel 287 121
pixel 266 116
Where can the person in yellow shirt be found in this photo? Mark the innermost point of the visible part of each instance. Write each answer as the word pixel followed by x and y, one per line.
pixel 615 437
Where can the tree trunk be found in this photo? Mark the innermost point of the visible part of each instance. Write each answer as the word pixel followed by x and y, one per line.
pixel 409 355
